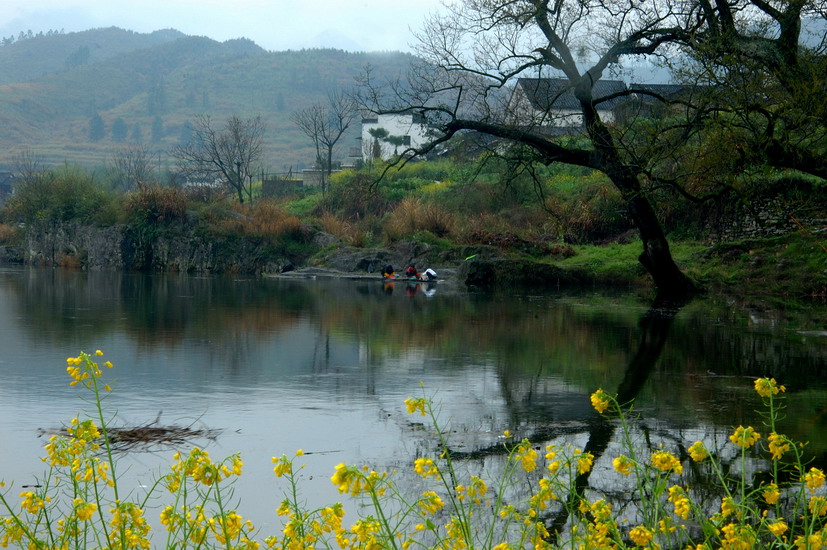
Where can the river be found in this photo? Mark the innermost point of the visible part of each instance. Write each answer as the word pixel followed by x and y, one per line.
pixel 274 365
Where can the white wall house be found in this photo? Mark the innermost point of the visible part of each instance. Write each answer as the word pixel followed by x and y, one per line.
pixel 550 102
pixel 410 130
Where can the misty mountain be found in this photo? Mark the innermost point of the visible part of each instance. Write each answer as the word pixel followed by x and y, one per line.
pixel 147 87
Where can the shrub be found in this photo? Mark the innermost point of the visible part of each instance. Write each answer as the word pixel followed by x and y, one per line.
pixel 154 204
pixel 7 233
pixel 56 195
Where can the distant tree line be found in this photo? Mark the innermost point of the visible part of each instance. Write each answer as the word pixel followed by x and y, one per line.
pixel 8 40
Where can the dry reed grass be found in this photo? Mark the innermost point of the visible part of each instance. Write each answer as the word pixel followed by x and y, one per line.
pixel 266 219
pixel 413 215
pixel 352 233
pixel 157 204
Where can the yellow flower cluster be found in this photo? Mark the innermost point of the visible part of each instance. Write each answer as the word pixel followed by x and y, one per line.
pixel 430 503
pixel 283 466
pixel 623 465
pixel 525 454
pixel 778 527
pixel 419 404
pixel 698 452
pixel 767 387
pixel 199 467
pixel 814 479
pixel 83 369
pixel 354 481
pixel 738 536
pixel 600 401
pixel 474 491
pixel 817 505
pixel 600 531
pixel 426 467
pixel 84 510
pixel 778 445
pixel 552 463
pixel 32 502
pixel 129 527
pixel 677 496
pixel 770 493
pixel 745 437
pixel 665 461
pixel 584 461
pixel 641 535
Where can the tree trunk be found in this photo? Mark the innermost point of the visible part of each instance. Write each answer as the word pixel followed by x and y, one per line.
pixel 670 281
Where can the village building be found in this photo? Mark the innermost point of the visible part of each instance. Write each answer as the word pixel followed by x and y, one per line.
pixel 385 136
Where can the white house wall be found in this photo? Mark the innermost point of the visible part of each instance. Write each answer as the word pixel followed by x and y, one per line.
pixel 396 125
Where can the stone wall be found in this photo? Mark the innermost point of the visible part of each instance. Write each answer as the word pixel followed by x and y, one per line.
pixel 770 217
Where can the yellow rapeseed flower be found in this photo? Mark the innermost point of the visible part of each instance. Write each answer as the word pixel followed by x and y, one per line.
pixel 728 506
pixel 425 467
pixel 817 505
pixel 814 479
pixel 778 445
pixel 745 437
pixel 84 510
pixel 526 455
pixel 416 404
pixel 738 536
pixel 584 461
pixel 771 493
pixel 430 503
pixel 33 503
pixel 698 452
pixel 810 542
pixel 640 535
pixel 600 401
pixel 623 465
pixel 767 387
pixel 778 527
pixel 552 464
pixel 677 496
pixel 283 466
pixel 665 461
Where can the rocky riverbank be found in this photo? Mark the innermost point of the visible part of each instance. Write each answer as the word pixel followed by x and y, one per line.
pixel 794 265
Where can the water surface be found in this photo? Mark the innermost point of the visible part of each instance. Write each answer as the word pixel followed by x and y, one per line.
pixel 325 365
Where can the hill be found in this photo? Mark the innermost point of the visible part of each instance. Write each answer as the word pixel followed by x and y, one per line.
pixel 154 84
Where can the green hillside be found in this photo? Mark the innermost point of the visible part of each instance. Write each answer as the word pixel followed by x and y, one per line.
pixel 167 77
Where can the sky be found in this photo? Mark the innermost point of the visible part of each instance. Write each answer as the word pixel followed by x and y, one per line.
pixel 276 25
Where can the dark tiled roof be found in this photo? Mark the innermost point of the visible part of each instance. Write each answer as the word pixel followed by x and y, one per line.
pixel 557 93
pixel 669 92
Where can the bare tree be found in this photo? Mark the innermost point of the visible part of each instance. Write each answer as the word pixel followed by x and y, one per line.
pixel 133 166
pixel 325 125
pixel 230 154
pixel 27 166
pixel 476 52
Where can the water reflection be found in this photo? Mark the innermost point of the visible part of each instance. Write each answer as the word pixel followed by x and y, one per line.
pixel 325 365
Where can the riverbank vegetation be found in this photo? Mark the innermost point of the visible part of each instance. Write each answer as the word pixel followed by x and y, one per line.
pixel 764 238
pixel 754 488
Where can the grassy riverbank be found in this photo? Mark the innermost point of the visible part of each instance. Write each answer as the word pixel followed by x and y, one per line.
pixel 792 265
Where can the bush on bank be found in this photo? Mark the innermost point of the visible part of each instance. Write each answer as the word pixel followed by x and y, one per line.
pixel 78 504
